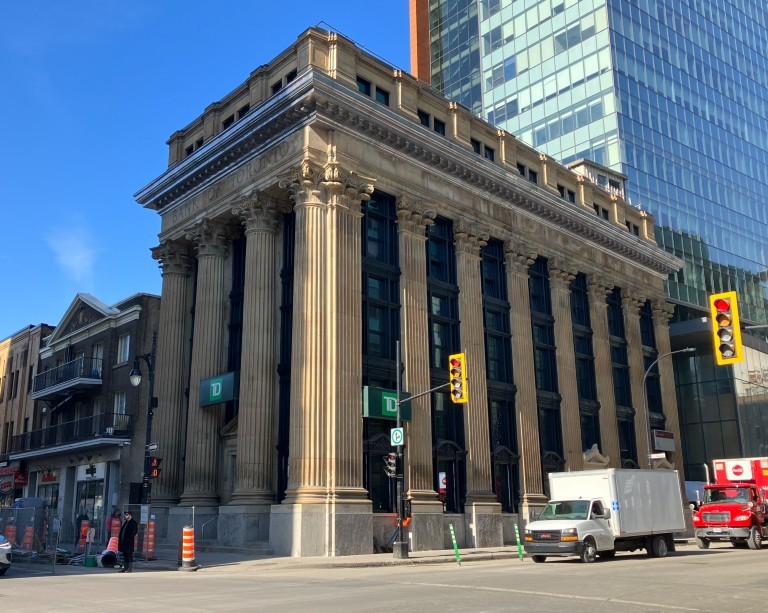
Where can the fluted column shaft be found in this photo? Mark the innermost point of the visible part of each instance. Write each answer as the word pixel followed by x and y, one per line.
pixel 631 308
pixel 412 221
pixel 171 369
pixel 559 282
pixel 308 461
pixel 601 345
pixel 344 351
pixel 518 260
pixel 662 313
pixel 208 342
pixel 258 371
pixel 469 241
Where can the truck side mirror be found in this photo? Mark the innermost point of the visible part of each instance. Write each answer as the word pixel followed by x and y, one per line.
pixel 606 514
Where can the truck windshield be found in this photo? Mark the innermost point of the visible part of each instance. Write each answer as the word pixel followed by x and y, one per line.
pixel 726 494
pixel 566 509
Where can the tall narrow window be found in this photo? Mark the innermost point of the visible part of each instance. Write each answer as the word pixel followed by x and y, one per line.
pixel 625 413
pixel 586 383
pixel 123 348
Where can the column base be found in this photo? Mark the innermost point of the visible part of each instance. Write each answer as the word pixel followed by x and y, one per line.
pixel 241 524
pixel 484 524
pixel 427 527
pixel 328 530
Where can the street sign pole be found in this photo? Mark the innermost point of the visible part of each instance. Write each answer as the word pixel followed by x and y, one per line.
pixel 400 546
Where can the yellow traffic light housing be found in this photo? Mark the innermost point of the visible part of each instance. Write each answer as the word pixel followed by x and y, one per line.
pixel 458 378
pixel 726 329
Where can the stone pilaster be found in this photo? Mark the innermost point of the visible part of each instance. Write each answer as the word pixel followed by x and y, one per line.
pixel 560 277
pixel 601 344
pixel 482 511
pixel 631 303
pixel 170 369
pixel 519 258
pixel 260 216
pixel 208 343
pixel 662 313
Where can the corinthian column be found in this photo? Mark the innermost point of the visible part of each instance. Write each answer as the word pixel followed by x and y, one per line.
pixel 631 304
pixel 171 368
pixel 480 506
pixel 261 216
pixel 203 424
pixel 560 277
pixel 662 313
pixel 345 192
pixel 519 258
pixel 412 222
pixel 599 289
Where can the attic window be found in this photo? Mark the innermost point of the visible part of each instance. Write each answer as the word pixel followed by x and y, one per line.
pixel 291 76
pixel 363 86
pixel 243 111
pixel 228 122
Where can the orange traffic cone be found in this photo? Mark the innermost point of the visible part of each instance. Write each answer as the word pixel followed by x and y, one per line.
pixel 10 533
pixel 112 545
pixel 114 527
pixel 188 549
pixel 150 544
pixel 27 542
pixel 84 527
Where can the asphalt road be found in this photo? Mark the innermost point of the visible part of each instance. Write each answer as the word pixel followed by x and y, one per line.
pixel 721 580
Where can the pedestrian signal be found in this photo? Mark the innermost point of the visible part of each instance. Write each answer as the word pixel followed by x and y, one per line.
pixel 154 467
pixel 390 464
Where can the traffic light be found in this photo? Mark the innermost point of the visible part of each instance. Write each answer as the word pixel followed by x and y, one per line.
pixel 458 372
pixel 154 467
pixel 390 464
pixel 726 331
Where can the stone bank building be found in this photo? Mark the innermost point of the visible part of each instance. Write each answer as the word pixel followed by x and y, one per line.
pixel 331 206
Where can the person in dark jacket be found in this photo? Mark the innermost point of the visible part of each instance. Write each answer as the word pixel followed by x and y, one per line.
pixel 128 531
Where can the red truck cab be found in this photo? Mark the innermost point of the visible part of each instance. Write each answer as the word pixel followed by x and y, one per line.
pixel 734 508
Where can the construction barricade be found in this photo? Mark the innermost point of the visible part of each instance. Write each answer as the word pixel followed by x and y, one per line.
pixel 188 562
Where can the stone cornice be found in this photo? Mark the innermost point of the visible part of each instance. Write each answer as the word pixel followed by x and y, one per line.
pixel 316 97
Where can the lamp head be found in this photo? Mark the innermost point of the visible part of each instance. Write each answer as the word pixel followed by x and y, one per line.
pixel 135 374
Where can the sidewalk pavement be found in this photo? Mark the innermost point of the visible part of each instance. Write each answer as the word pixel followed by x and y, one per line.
pixel 213 561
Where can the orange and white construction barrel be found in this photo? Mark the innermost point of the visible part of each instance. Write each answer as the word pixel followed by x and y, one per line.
pixel 188 549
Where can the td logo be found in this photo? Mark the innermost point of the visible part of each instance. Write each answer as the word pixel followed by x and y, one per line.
pixel 216 390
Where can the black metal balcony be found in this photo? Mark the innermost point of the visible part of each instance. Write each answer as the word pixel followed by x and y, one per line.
pixel 79 373
pixel 107 427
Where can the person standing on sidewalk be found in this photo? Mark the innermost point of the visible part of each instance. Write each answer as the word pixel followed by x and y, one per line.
pixel 128 532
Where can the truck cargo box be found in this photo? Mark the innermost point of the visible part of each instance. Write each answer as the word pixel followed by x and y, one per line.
pixel 642 502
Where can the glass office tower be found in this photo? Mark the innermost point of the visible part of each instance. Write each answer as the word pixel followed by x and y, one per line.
pixel 673 94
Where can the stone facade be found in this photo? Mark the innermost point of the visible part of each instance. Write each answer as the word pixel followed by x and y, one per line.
pixel 275 179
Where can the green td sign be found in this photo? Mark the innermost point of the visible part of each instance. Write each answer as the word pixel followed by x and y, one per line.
pixel 382 404
pixel 218 389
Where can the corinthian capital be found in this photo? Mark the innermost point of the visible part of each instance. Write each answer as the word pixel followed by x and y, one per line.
pixel 303 183
pixel 344 188
pixel 598 288
pixel 210 239
pixel 662 311
pixel 257 211
pixel 172 257
pixel 519 255
pixel 631 300
pixel 560 270
pixel 412 216
pixel 469 238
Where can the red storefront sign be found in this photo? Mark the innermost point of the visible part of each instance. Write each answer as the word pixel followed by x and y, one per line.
pixel 20 479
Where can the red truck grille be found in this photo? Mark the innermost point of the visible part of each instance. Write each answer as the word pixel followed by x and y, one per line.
pixel 716 517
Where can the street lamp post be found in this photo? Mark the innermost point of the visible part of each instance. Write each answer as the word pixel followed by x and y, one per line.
pixel 135 377
pixel 645 398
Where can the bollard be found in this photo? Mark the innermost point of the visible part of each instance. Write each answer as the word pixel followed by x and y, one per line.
pixel 27 542
pixel 188 549
pixel 150 545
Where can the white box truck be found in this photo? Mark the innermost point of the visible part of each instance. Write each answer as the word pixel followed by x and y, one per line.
pixel 599 512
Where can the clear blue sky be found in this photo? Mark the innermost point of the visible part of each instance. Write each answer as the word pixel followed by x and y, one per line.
pixel 90 90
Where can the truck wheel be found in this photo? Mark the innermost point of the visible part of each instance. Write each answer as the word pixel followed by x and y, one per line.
pixel 755 539
pixel 589 552
pixel 657 547
pixel 538 559
pixel 702 543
